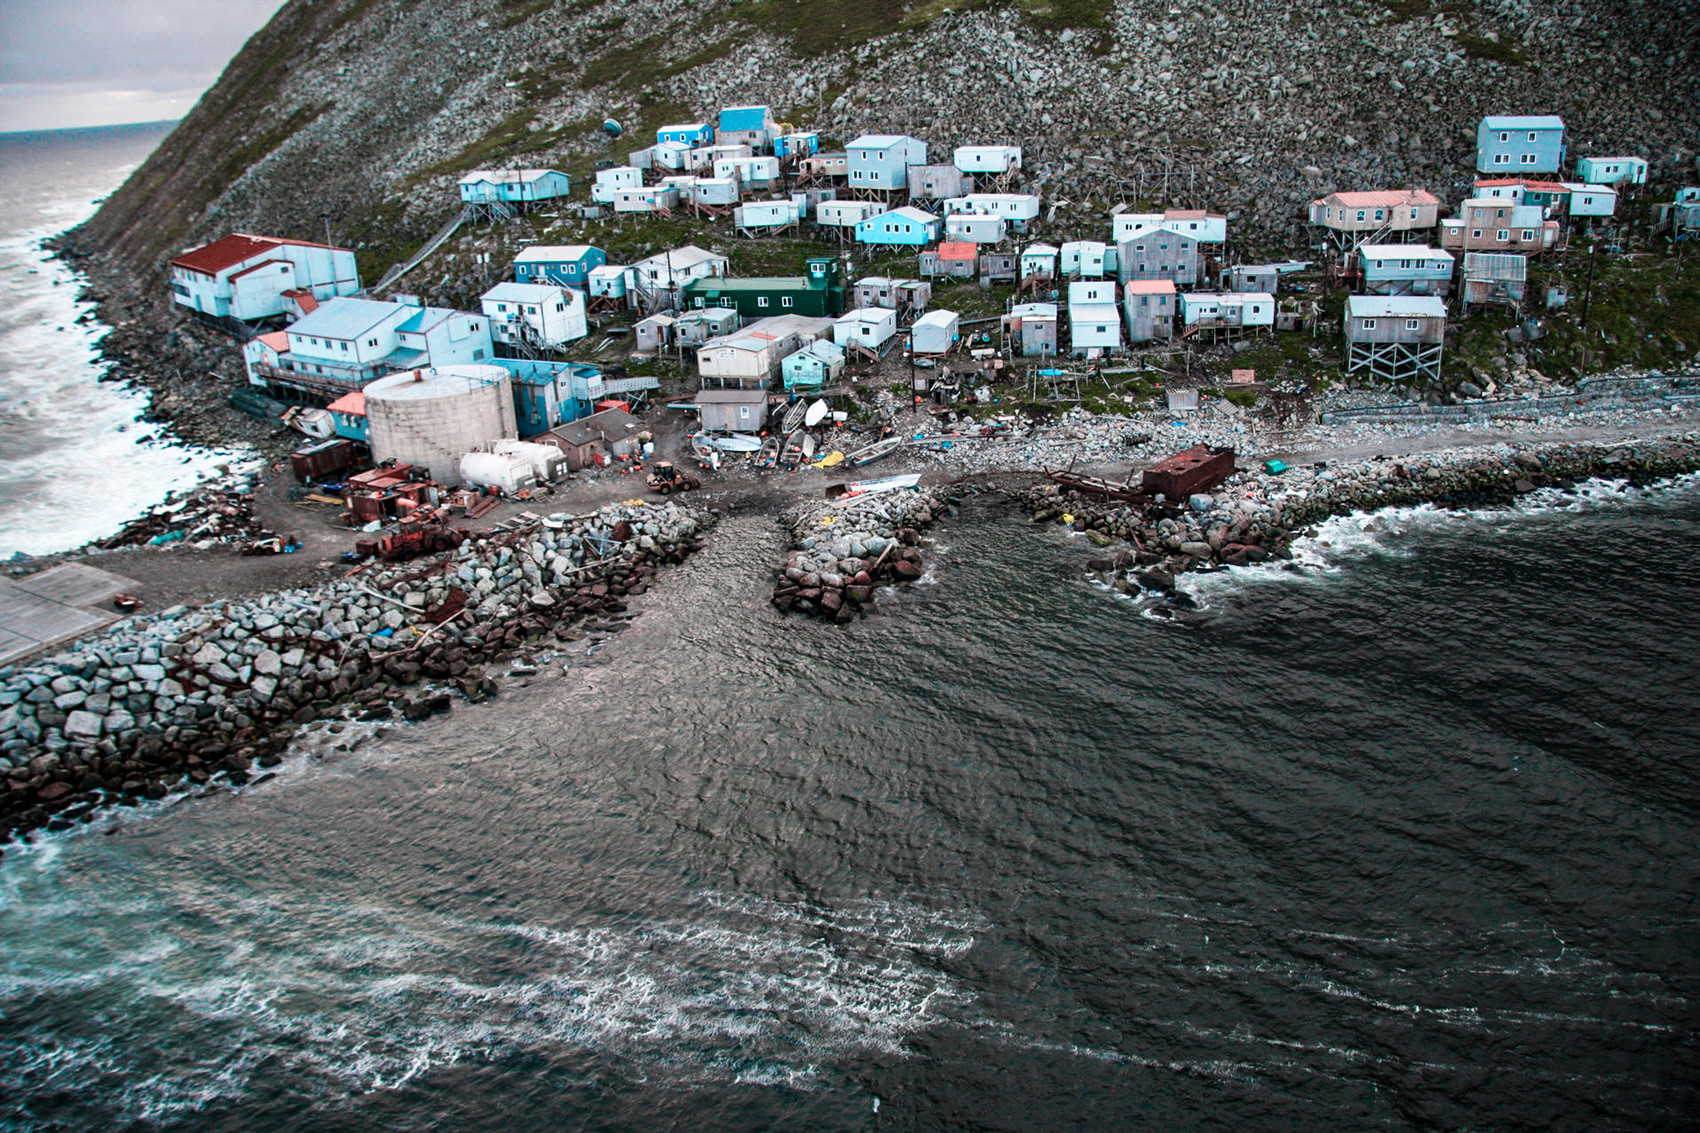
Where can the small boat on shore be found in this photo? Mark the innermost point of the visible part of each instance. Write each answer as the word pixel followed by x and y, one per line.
pixel 873 452
pixel 737 442
pixel 793 418
pixel 768 456
pixel 816 413
pixel 844 493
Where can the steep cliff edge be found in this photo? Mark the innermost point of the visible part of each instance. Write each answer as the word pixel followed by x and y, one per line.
pixel 360 114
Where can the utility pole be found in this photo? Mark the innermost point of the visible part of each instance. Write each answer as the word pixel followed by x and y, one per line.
pixel 1587 297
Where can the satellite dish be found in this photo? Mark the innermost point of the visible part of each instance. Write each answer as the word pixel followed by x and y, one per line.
pixel 612 128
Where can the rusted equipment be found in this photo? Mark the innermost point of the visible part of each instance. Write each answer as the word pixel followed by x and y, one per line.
pixel 1096 485
pixel 324 459
pixel 665 478
pixel 1197 469
pixel 411 541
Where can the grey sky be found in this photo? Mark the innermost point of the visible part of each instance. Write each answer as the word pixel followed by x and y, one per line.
pixel 102 62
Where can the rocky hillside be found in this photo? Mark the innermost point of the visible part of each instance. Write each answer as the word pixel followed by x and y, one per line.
pixel 361 113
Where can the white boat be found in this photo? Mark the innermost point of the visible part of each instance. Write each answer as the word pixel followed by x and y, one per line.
pixel 793 417
pixel 816 414
pixel 874 451
pixel 843 493
pixel 737 442
pixel 808 446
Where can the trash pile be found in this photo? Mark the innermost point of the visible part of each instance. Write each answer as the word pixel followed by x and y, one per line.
pixel 219 512
pixel 174 699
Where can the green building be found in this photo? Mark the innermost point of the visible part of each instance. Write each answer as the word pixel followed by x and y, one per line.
pixel 817 293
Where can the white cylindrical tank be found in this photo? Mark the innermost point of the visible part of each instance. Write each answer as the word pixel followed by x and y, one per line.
pixel 548 463
pixel 505 470
pixel 430 417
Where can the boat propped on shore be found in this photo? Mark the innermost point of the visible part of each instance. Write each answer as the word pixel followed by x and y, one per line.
pixel 856 489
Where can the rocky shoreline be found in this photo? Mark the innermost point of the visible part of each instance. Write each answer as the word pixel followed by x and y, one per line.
pixel 176 700
pixel 1255 516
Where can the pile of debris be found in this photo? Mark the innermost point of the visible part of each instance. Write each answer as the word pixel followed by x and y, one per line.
pixel 218 512
pixel 843 550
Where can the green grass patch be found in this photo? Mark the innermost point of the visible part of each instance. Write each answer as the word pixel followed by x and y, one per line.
pixel 1480 47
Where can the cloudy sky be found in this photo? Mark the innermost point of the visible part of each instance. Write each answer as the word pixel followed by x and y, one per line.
pixel 103 62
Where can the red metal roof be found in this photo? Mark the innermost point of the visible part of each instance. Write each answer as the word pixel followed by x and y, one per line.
pixel 303 299
pixel 228 252
pixel 1184 214
pixel 354 404
pixel 278 340
pixel 1151 287
pixel 957 250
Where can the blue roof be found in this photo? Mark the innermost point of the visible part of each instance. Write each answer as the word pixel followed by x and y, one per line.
pixel 744 117
pixel 344 318
pixel 1523 122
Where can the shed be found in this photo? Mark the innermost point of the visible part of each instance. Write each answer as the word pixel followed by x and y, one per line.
pixel 348 416
pixel 867 327
pixel 610 433
pixel 1039 261
pixel 1197 469
pixel 813 366
pixel 987 159
pixel 1592 200
pixel 1222 310
pixel 693 328
pixel 1083 258
pixel 1033 327
pixel 845 214
pixel 607 281
pixel 651 198
pixel 655 333
pixel 732 410
pixel 1495 277
pixel 755 215
pixel 935 332
pixel 821 165
pixel 687 134
pixel 951 259
pixel 1395 337
pixel 1252 277
pixel 716 192
pixel 796 145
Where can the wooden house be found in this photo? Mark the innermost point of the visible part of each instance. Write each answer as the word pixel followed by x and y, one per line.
pixel 1033 329
pixel 655 333
pixel 813 366
pixel 1486 225
pixel 998 267
pixel 934 333
pixel 750 358
pixel 906 226
pixel 1398 338
pixel 823 166
pixel 567 265
pixel 1405 269
pixel 950 260
pixel 594 439
pixel 936 182
pixel 752 126
pixel 1612 170
pixel 975 228
pixel 1148 306
pixel 1495 277
pixel 845 214
pixel 881 162
pixel 1245 278
pixel 1378 216
pixel 819 292
pixel 912 294
pixel 1083 259
pixel 893 294
pixel 545 315
pixel 731 410
pixel 513 186
pixel 1160 254
pixel 687 134
pixel 698 325
pixel 867 327
pixel 1514 143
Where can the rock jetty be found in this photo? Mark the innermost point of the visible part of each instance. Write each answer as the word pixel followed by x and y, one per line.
pixel 843 551
pixel 173 700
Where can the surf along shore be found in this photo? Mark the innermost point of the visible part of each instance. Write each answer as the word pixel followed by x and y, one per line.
pixel 210 691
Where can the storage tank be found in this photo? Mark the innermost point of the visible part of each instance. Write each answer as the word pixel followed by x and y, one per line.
pixel 548 463
pixel 505 470
pixel 431 416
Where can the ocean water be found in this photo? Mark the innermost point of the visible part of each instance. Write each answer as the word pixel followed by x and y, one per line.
pixel 1406 836
pixel 76 462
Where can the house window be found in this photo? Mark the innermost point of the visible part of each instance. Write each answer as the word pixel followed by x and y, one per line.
pixel 1505 137
pixel 560 307
pixel 1366 324
pixel 501 307
pixel 1476 234
pixel 1502 159
pixel 1531 135
pixel 1102 330
pixel 1504 234
pixel 785 300
pixel 1528 234
pixel 1361 214
pixel 1378 214
pixel 1528 159
pixel 1410 324
pixel 761 300
pixel 344 346
pixel 477 354
pixel 371 342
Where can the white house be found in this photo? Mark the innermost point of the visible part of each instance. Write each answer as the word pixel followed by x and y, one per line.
pixel 1405 269
pixel 975 228
pixel 870 327
pixel 1227 309
pixel 347 342
pixel 608 281
pixel 715 191
pixel 1094 322
pixel 677 156
pixel 756 172
pixel 1612 170
pixel 676 267
pixel 535 314
pixel 882 161
pixel 1591 200
pixel 749 358
pixel 934 332
pixel 987 159
pixel 1018 209
pixel 610 181
pixel 845 214
pixel 646 198
pixel 765 214
pixel 246 277
pixel 1039 261
pixel 1205 227
pixel 1083 258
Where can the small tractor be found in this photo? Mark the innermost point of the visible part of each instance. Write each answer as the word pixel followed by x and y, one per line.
pixel 665 478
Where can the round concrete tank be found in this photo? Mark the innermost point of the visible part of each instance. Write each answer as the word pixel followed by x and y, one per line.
pixel 431 417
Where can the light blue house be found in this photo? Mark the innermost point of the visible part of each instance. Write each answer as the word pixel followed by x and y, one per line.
pixel 691 134
pixel 565 265
pixel 882 161
pixel 513 186
pixel 813 366
pixel 348 417
pixel 1519 144
pixel 746 126
pixel 547 394
pixel 797 145
pixel 907 226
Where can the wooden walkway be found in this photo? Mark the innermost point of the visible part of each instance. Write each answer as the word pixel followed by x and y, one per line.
pixel 54 606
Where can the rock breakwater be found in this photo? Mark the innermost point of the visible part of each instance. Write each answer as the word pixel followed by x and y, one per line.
pixel 177 699
pixel 844 550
